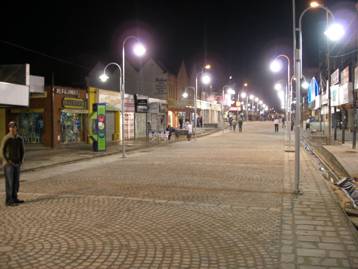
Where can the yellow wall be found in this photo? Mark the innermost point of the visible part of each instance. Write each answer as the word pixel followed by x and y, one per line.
pixel 2 123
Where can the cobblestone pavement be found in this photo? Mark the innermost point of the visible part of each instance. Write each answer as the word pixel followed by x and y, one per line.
pixel 222 201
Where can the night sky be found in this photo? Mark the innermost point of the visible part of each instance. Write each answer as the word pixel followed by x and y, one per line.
pixel 237 37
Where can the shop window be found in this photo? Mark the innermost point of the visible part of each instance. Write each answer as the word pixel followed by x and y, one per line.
pixel 31 127
pixel 71 127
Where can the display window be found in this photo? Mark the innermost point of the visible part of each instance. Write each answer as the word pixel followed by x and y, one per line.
pixel 71 127
pixel 31 126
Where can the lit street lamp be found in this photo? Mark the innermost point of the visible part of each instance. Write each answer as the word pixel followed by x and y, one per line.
pixel 104 77
pixel 139 50
pixel 276 66
pixel 229 91
pixel 333 33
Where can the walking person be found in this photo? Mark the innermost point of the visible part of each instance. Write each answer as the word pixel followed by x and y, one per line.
pixel 12 155
pixel 234 123
pixel 241 121
pixel 283 122
pixel 276 122
pixel 189 128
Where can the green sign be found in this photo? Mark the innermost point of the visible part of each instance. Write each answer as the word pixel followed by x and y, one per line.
pixel 99 127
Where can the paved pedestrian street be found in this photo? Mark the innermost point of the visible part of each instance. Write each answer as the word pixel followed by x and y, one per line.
pixel 222 201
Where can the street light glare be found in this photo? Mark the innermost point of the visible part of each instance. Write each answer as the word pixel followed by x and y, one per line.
pixel 104 77
pixel 278 87
pixel 305 85
pixel 243 94
pixel 260 102
pixel 276 66
pixel 207 67
pixel 185 95
pixel 314 4
pixel 252 97
pixel 139 49
pixel 230 91
pixel 256 99
pixel 245 84
pixel 206 79
pixel 335 32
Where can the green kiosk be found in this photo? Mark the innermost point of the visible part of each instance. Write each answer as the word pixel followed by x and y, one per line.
pixel 98 119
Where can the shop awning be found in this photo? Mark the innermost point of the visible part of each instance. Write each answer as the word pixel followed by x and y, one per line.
pixel 75 111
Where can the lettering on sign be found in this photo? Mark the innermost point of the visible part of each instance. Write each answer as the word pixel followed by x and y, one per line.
pixel 160 85
pixel 73 103
pixel 63 91
pixel 335 77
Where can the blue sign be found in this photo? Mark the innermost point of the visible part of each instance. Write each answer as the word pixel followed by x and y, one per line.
pixel 313 90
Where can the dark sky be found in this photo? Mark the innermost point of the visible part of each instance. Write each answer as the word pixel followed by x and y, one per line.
pixel 237 37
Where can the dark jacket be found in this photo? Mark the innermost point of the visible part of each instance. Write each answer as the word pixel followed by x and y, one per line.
pixel 12 149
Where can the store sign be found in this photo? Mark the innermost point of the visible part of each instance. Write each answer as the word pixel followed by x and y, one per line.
pixel 66 91
pixel 335 77
pixel 153 108
pixel 141 105
pixel 160 85
pixel 313 90
pixel 128 125
pixel 334 95
pixel 73 103
pixel 345 76
pixel 345 94
pixel 129 103
pixel 112 99
pixel 356 78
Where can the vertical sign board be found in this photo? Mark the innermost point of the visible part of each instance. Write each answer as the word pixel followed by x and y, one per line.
pixel 99 130
pixel 356 78
pixel 101 119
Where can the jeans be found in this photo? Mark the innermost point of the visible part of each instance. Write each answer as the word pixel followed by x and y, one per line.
pixel 12 181
pixel 276 128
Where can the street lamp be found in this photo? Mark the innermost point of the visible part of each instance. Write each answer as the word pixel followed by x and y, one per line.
pixel 278 87
pixel 139 50
pixel 104 77
pixel 230 91
pixel 334 33
pixel 205 79
pixel 276 66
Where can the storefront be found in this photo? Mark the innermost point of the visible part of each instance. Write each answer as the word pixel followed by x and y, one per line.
pixel 70 115
pixel 141 109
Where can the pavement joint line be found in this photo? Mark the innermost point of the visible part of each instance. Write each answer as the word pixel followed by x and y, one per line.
pixel 152 200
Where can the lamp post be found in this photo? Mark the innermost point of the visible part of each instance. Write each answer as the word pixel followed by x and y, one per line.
pixel 205 79
pixel 276 67
pixel 104 77
pixel 139 50
pixel 243 96
pixel 230 91
pixel 335 32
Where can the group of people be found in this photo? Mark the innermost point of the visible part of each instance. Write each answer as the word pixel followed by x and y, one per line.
pixel 233 122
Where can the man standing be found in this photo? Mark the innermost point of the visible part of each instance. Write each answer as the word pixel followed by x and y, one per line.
pixel 12 155
pixel 276 122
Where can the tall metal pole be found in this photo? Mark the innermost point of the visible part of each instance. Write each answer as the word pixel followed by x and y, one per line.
pixel 329 141
pixel 195 101
pixel 122 97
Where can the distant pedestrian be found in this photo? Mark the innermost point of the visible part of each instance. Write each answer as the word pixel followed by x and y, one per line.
pixel 308 124
pixel 283 122
pixel 181 121
pixel 241 122
pixel 276 122
pixel 170 131
pixel 234 123
pixel 189 128
pixel 12 155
